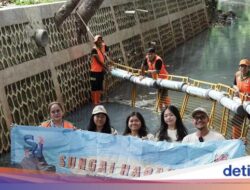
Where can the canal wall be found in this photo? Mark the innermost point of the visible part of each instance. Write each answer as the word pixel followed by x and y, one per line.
pixel 33 74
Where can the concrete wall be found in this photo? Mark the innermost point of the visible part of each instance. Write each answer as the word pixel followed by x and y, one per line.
pixel 31 76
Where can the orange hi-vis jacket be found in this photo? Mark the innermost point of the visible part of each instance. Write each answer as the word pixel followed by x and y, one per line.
pixel 95 66
pixel 66 124
pixel 151 66
pixel 243 84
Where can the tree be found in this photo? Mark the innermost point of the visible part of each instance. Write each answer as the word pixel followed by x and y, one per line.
pixel 85 8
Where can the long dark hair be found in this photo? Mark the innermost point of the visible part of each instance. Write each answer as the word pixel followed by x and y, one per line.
pixel 142 131
pixel 106 128
pixel 181 129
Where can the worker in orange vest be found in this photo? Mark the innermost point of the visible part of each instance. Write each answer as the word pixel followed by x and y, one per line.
pixel 242 87
pixel 154 65
pixel 98 68
pixel 56 113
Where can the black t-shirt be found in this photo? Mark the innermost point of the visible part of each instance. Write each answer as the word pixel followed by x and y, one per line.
pixel 235 83
pixel 94 51
pixel 158 64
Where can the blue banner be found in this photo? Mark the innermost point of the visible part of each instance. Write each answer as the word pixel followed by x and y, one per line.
pixel 97 154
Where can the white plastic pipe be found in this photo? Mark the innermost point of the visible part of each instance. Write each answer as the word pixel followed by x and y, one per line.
pixel 120 73
pixel 173 85
pixel 130 12
pixel 220 97
pixel 142 10
pixel 145 81
pixel 216 95
pixel 232 105
pixel 134 79
pixel 193 90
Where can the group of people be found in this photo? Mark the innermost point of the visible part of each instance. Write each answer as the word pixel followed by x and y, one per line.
pixel 154 65
pixel 171 128
pixel 100 64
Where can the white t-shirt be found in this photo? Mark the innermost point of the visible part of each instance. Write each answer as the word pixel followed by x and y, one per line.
pixel 172 133
pixel 114 131
pixel 211 136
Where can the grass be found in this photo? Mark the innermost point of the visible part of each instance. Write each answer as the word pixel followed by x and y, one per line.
pixel 30 2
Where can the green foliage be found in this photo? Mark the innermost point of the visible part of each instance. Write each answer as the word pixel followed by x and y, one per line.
pixel 31 2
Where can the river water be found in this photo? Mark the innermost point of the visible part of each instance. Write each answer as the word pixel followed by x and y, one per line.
pixel 214 54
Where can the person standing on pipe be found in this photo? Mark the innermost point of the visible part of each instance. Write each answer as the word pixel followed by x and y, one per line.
pixel 98 68
pixel 242 87
pixel 154 65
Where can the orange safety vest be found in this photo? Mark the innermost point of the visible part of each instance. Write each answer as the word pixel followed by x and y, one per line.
pixel 243 84
pixel 95 66
pixel 66 124
pixel 151 66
